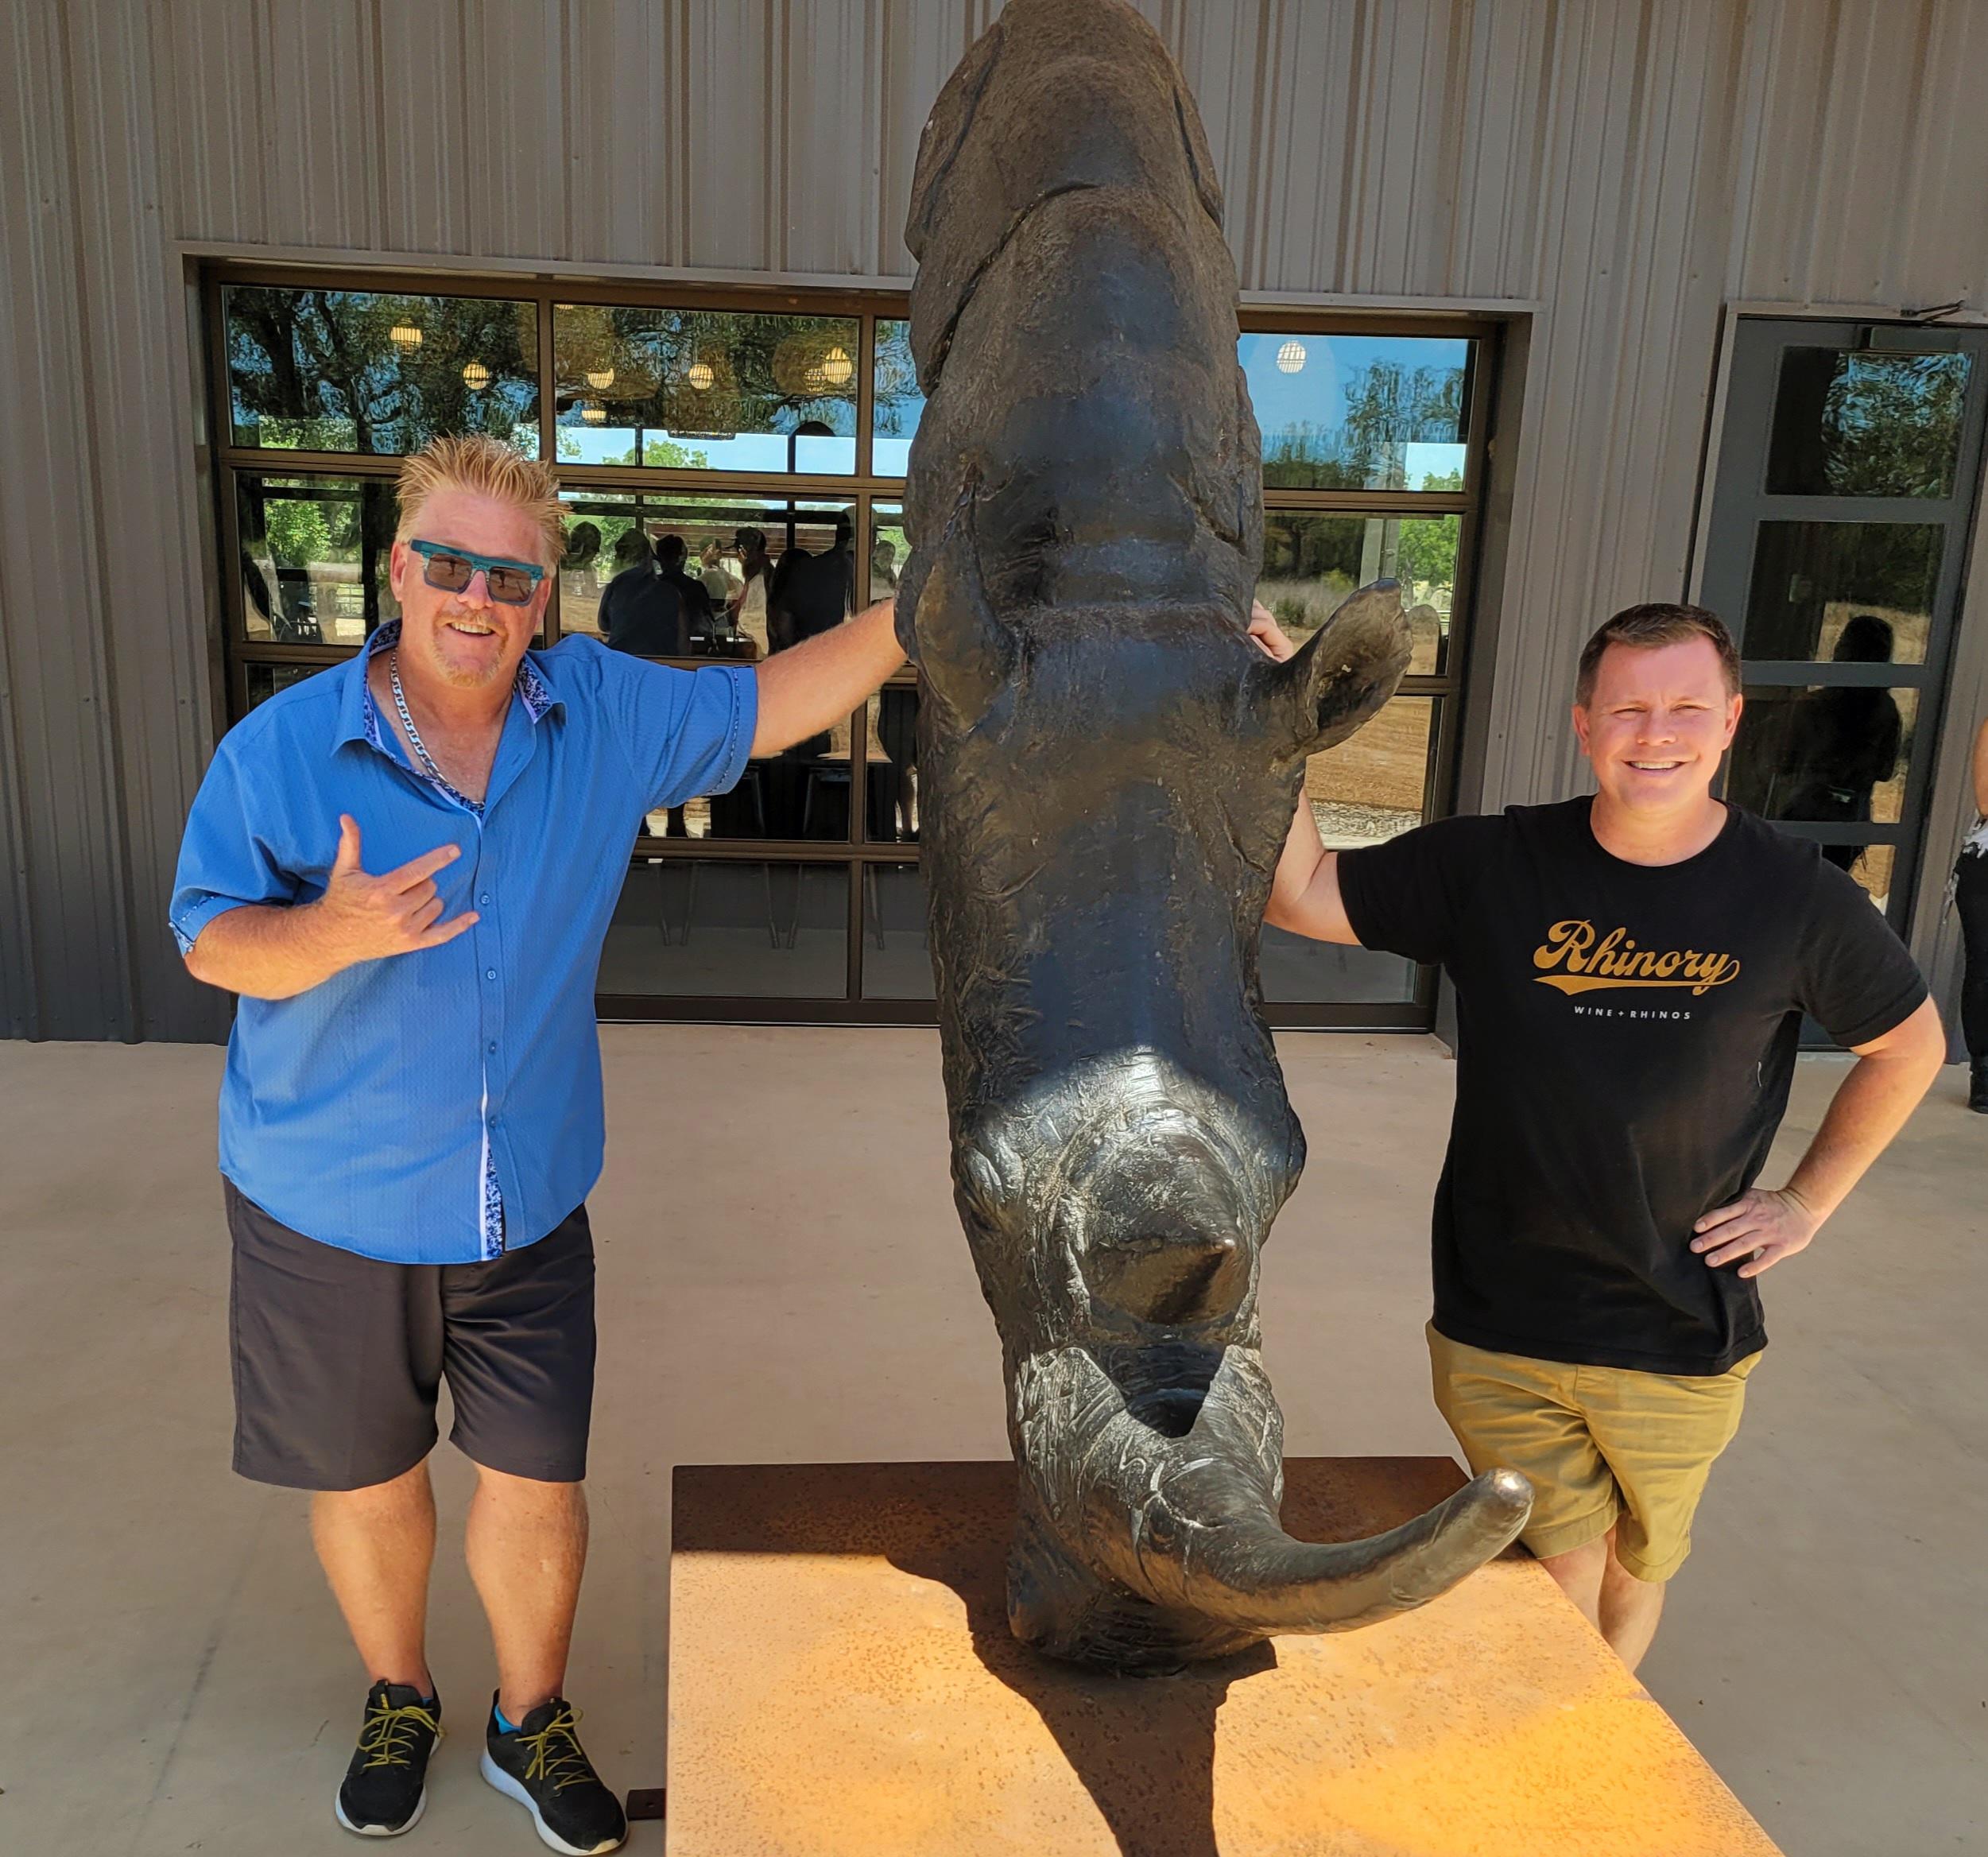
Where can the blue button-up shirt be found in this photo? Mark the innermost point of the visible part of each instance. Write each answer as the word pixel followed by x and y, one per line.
pixel 366 1111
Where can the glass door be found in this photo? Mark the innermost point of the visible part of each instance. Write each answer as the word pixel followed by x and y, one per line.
pixel 1841 511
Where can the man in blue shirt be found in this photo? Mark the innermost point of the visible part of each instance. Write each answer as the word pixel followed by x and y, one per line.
pixel 406 867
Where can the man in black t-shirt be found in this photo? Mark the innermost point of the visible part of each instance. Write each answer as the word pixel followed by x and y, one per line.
pixel 1631 973
pixel 640 612
pixel 698 621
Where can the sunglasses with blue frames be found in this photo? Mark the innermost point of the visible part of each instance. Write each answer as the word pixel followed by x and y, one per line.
pixel 451 569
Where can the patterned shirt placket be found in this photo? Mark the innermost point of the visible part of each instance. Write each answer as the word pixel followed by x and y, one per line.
pixel 489 1212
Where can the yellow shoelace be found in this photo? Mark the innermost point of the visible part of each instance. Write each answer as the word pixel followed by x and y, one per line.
pixel 381 1736
pixel 546 1765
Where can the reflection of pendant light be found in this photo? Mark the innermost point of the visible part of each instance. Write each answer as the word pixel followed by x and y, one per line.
pixel 701 376
pixel 406 336
pixel 476 377
pixel 602 377
pixel 1290 358
pixel 594 415
pixel 810 362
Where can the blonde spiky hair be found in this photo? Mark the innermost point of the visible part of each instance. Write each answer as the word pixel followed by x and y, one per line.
pixel 489 467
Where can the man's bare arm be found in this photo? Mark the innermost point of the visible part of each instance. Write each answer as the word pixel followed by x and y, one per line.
pixel 1872 1105
pixel 818 682
pixel 1305 894
pixel 276 950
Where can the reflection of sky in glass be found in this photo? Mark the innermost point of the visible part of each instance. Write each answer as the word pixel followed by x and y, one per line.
pixel 766 453
pixel 1404 393
pixel 1385 411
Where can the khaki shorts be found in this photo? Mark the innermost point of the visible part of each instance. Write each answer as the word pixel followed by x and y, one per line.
pixel 1604 1446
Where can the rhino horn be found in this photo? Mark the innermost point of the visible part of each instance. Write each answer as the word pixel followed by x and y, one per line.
pixel 1249 1574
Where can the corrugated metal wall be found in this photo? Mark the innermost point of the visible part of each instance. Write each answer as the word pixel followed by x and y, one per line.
pixel 1629 166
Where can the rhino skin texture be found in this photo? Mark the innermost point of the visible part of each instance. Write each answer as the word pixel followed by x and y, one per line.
pixel 1108 768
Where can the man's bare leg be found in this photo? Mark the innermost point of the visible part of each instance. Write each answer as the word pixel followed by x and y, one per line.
pixel 1579 1574
pixel 526 1544
pixel 1630 1609
pixel 376 1546
pixel 1624 1609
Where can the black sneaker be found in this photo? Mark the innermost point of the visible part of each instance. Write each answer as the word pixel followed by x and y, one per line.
pixel 386 1786
pixel 541 1765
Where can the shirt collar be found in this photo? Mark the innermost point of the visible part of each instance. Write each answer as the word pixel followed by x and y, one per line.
pixel 359 715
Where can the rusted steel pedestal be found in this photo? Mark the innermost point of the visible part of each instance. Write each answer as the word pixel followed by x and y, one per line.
pixel 842 1684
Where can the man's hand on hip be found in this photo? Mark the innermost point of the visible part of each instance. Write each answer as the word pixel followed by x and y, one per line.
pixel 1761 1227
pixel 363 918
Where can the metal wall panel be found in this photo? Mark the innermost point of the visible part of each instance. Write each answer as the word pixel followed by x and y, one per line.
pixel 1623 169
pixel 107 717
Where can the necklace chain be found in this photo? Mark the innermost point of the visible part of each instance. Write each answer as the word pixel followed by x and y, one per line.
pixel 414 734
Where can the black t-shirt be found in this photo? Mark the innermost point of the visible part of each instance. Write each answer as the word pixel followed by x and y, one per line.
pixel 696 599
pixel 641 612
pixel 1627 1040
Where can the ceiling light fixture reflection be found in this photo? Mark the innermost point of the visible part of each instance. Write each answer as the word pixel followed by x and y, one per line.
pixel 603 378
pixel 836 367
pixel 405 336
pixel 594 415
pixel 702 376
pixel 1290 358
pixel 476 377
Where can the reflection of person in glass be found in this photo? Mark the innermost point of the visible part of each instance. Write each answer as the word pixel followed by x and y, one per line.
pixel 810 593
pixel 1970 897
pixel 1843 741
pixel 641 612
pixel 700 622
pixel 883 569
pixel 583 546
pixel 406 867
pixel 720 583
pixel 748 604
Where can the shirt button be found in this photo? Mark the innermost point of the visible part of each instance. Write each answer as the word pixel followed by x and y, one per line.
pixel 490 973
pixel 485 899
pixel 493 1048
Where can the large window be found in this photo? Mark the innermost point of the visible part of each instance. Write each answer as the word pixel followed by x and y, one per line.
pixel 1840 517
pixel 755 443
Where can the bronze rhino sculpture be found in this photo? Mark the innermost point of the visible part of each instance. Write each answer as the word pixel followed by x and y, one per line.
pixel 1109 766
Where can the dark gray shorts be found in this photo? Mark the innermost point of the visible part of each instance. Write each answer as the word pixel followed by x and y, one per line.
pixel 338 1357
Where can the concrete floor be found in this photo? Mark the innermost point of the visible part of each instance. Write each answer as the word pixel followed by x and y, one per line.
pixel 783 1279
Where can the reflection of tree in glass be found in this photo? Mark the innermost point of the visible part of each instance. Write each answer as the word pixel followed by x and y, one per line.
pixel 897 399
pixel 1388 407
pixel 1870 423
pixel 659 454
pixel 320 369
pixel 298 534
pixel 706 372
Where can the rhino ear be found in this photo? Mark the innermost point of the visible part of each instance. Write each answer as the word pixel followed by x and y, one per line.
pixel 963 651
pixel 945 133
pixel 1344 674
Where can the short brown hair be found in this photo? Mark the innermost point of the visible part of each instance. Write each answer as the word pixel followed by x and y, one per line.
pixel 1644 628
pixel 489 467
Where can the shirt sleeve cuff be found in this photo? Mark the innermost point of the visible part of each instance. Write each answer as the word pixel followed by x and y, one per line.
pixel 190 918
pixel 1876 1024
pixel 1353 898
pixel 745 724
